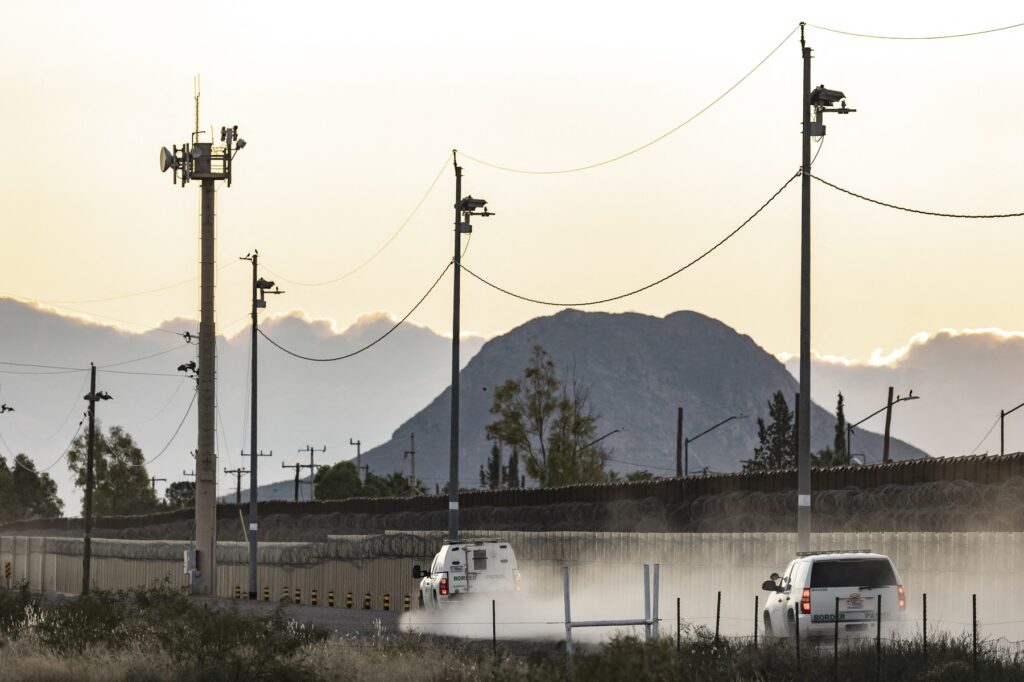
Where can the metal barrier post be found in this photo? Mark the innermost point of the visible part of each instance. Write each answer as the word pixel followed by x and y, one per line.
pixel 348 600
pixel 406 603
pixel 313 598
pixel 366 602
pixel 647 602
pixel 718 617
pixel 266 594
pixel 655 598
pixel 298 595
pixel 494 628
pixel 679 626
pixel 974 629
pixel 284 593
pixel 757 597
pixel 568 614
pixel 387 601
pixel 924 629
pixel 330 599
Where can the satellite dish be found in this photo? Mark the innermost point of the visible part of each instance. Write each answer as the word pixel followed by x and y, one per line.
pixel 166 159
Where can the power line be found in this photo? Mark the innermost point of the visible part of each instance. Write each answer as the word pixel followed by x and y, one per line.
pixel 646 144
pixel 62 456
pixel 152 459
pixel 372 343
pixel 914 210
pixel 646 286
pixel 939 37
pixel 144 357
pixel 57 369
pixel 71 410
pixel 383 246
pixel 141 374
pixel 985 437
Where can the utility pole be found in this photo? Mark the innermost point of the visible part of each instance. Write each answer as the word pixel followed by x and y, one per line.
pixel 679 442
pixel 312 468
pixel 1003 414
pixel 359 456
pixel 888 423
pixel 464 210
pixel 296 467
pixel 796 428
pixel 821 99
pixel 366 472
pixel 202 161
pixel 153 480
pixel 411 454
pixel 238 482
pixel 260 288
pixel 90 481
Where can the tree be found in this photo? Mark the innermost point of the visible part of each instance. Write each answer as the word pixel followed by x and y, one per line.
pixel 548 422
pixel 180 495
pixel 511 470
pixel 121 480
pixel 776 441
pixel 490 473
pixel 338 482
pixel 26 493
pixel 642 475
pixel 839 442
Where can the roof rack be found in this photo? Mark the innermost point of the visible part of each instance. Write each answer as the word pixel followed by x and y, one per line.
pixel 834 551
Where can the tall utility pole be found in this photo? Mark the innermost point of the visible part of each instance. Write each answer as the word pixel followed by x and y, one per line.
pixel 153 480
pixel 359 456
pixel 238 482
pixel 90 481
pixel 464 209
pixel 679 442
pixel 260 288
pixel 202 161
pixel 411 454
pixel 888 423
pixel 296 467
pixel 312 468
pixel 820 99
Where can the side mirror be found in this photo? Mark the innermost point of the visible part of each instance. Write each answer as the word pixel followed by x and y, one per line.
pixel 769 586
pixel 775 577
pixel 417 572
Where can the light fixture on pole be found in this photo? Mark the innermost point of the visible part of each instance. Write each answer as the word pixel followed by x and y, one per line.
pixel 687 441
pixel 819 101
pixel 1002 433
pixel 465 209
pixel 92 397
pixel 887 407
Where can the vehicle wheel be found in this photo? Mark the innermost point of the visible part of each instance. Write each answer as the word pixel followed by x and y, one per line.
pixel 768 634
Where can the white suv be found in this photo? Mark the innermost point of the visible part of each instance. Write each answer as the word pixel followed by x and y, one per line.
pixel 464 569
pixel 807 592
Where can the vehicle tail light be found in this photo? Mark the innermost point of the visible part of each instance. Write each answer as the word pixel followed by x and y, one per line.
pixel 518 580
pixel 902 594
pixel 805 600
pixel 443 587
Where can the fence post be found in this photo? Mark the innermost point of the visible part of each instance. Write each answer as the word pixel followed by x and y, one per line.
pixel 647 602
pixel 568 615
pixel 266 594
pixel 679 626
pixel 655 597
pixel 718 617
pixel 924 629
pixel 348 600
pixel 494 629
pixel 835 646
pixel 974 637
pixel 878 640
pixel 756 598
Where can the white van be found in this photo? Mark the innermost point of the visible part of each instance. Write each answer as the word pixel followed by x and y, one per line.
pixel 462 570
pixel 808 591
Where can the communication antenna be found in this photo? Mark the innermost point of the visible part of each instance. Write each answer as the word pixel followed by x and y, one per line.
pixel 195 88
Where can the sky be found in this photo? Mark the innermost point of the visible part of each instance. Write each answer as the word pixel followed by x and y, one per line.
pixel 350 112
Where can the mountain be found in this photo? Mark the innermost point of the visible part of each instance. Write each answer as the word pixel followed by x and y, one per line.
pixel 639 369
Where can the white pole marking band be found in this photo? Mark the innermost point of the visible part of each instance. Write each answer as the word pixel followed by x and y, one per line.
pixel 804 500
pixel 453 505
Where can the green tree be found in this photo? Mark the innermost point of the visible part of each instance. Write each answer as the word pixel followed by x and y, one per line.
pixel 776 440
pixel 839 441
pixel 511 470
pixel 491 472
pixel 642 475
pixel 121 480
pixel 26 493
pixel 180 495
pixel 548 422
pixel 338 482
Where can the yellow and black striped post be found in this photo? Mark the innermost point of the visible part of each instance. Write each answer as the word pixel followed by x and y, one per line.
pixel 330 598
pixel 284 594
pixel 313 598
pixel 387 601
pixel 366 602
pixel 406 602
pixel 7 573
pixel 266 594
pixel 238 592
pixel 298 595
pixel 348 600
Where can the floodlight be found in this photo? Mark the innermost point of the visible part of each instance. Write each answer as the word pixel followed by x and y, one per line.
pixel 263 284
pixel 823 97
pixel 166 159
pixel 240 144
pixel 471 204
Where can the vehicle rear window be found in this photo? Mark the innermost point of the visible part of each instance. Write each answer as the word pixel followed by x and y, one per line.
pixel 480 559
pixel 852 573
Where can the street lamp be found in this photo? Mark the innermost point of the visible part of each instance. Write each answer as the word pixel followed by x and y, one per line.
pixel 1002 434
pixel 686 442
pixel 888 406
pixel 595 442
